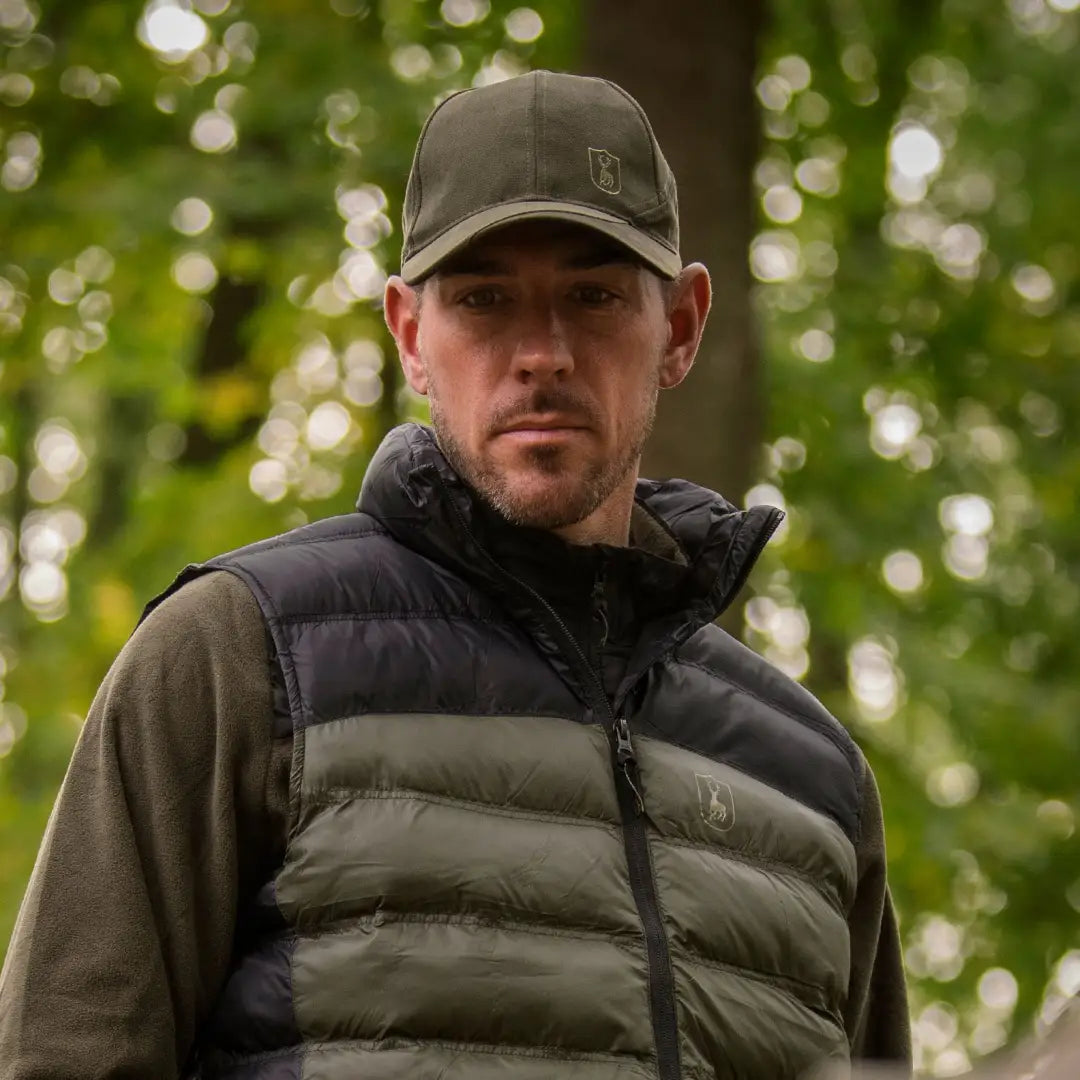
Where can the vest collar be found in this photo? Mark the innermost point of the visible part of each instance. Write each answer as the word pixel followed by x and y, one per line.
pixel 412 490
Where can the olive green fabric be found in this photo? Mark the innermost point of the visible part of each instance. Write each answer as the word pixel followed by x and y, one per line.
pixel 543 145
pixel 459 873
pixel 454 1062
pixel 173 810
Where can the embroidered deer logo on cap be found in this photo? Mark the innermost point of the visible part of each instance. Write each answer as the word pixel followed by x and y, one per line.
pixel 604 170
pixel 716 801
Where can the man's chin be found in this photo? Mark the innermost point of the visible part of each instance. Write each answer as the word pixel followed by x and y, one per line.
pixel 538 501
pixel 540 487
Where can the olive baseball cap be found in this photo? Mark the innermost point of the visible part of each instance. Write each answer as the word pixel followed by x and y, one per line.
pixel 542 145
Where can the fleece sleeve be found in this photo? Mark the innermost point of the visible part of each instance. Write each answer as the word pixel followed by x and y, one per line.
pixel 173 808
pixel 876 1016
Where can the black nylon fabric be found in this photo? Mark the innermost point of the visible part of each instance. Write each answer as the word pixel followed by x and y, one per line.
pixel 413 575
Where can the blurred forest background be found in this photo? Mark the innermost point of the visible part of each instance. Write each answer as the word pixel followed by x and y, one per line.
pixel 198 208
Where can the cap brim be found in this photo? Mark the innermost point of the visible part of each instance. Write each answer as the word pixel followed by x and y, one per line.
pixel 653 253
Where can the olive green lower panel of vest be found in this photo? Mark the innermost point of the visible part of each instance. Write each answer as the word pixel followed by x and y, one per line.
pixel 708 802
pixel 419 853
pixel 542 763
pixel 458 980
pixel 447 1061
pixel 460 882
pixel 767 921
pixel 738 1028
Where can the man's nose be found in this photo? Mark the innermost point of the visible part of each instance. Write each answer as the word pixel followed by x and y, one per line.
pixel 542 347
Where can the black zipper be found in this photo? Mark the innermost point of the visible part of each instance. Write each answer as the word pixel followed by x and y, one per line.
pixel 628 790
pixel 665 1018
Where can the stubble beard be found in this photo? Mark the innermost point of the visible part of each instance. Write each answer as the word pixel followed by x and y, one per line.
pixel 555 506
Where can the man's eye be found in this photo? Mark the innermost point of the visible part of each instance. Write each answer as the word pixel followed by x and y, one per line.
pixel 480 298
pixel 594 295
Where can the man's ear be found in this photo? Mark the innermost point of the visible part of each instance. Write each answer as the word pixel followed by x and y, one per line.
pixel 687 309
pixel 401 309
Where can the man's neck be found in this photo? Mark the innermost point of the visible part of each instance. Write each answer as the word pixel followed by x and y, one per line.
pixel 609 523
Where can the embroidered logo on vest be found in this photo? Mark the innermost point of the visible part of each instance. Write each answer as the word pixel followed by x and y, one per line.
pixel 716 801
pixel 604 170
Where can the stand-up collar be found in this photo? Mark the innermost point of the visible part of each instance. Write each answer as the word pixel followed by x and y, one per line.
pixel 412 489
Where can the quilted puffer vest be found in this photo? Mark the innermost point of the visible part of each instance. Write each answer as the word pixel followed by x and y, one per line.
pixel 498 872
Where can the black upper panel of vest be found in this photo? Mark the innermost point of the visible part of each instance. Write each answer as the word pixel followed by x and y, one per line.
pixel 428 601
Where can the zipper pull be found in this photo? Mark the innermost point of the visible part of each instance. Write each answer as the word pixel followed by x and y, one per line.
pixel 624 748
pixel 624 755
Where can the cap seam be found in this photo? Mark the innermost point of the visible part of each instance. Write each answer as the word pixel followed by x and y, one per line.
pixel 419 155
pixel 417 170
pixel 537 130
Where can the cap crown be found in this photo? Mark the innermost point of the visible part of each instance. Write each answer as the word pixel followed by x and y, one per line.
pixel 540 145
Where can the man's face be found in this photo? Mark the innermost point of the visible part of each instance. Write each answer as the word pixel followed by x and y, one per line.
pixel 541 349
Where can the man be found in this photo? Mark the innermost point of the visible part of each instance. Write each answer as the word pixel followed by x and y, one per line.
pixel 469 784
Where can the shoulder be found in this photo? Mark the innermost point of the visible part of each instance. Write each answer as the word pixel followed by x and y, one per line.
pixel 319 551
pixel 207 631
pixel 309 567
pixel 191 688
pixel 342 528
pixel 207 600
pixel 752 715
pixel 720 655
pixel 215 604
pixel 345 565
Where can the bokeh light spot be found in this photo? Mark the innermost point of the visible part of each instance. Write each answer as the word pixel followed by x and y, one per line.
pixel 775 257
pixel 816 345
pixel 411 62
pixel 464 12
pixel 94 264
pixel 902 571
pixel 65 286
pixel 1033 284
pixel 954 784
pixel 214 132
pixel 523 25
pixel 172 31
pixel 327 425
pixel 782 204
pixel 998 989
pixel 194 272
pixel 971 515
pixel 893 428
pixel 873 680
pixel 16 88
pixel 795 71
pixel 268 480
pixel 191 216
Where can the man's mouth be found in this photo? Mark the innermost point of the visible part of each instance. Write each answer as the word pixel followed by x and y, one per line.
pixel 543 424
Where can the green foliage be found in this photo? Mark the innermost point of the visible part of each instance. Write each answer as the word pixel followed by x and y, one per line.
pixel 922 340
pixel 191 360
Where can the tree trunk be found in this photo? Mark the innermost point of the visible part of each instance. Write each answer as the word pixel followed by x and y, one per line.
pixel 691 66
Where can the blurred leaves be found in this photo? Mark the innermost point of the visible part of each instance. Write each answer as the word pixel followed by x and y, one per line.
pixel 918 265
pixel 200 204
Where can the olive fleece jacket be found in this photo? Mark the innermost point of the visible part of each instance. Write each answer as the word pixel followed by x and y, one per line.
pixel 175 809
